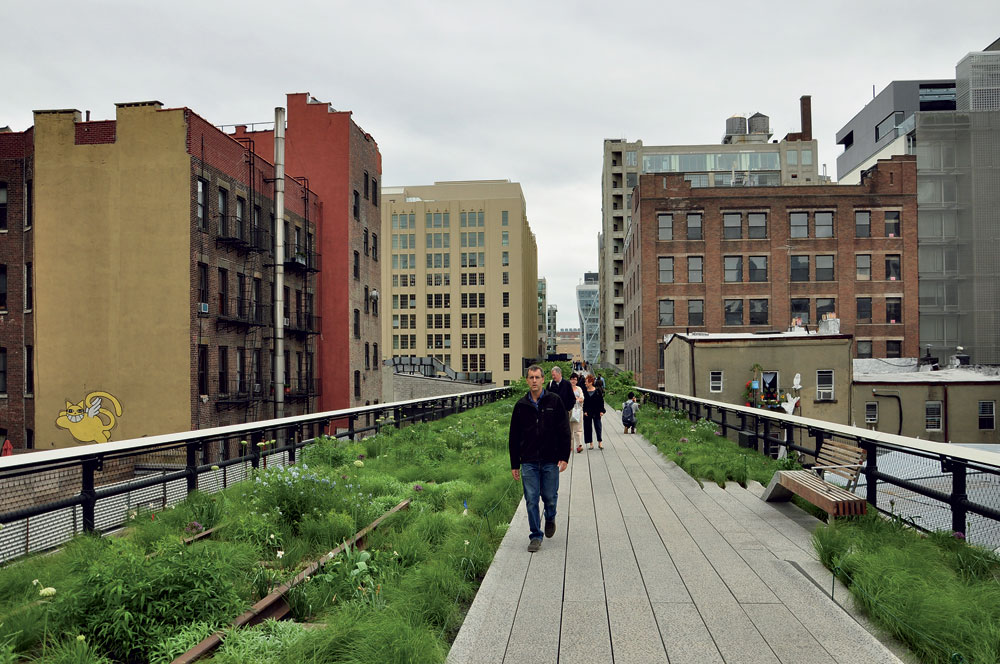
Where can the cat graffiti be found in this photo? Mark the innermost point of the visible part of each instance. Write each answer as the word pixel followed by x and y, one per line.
pixel 90 423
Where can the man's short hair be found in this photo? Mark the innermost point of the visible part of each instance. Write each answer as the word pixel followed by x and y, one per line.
pixel 557 369
pixel 631 395
pixel 534 367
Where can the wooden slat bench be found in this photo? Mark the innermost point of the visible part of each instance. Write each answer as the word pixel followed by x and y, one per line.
pixel 841 459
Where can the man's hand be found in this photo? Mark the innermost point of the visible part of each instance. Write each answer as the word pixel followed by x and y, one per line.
pixel 562 466
pixel 516 472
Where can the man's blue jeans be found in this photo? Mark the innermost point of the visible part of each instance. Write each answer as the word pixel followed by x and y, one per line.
pixel 540 480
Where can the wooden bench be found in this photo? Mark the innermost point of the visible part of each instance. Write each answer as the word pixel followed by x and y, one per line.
pixel 842 459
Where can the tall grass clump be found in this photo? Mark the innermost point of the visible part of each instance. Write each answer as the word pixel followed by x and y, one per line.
pixel 936 593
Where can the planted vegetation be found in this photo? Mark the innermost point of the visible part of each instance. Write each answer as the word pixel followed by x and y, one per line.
pixel 148 596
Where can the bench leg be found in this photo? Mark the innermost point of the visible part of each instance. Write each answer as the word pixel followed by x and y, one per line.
pixel 775 492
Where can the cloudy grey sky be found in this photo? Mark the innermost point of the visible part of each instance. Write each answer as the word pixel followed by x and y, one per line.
pixel 520 90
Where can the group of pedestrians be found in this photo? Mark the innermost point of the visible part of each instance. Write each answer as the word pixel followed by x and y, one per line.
pixel 543 427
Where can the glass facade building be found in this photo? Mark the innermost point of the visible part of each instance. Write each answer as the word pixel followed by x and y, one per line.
pixel 588 306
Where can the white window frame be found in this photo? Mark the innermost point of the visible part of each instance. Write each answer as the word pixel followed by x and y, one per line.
pixel 992 407
pixel 824 393
pixel 929 418
pixel 715 381
pixel 871 412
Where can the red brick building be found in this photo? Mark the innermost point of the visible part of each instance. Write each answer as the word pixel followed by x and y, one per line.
pixel 342 164
pixel 17 407
pixel 743 259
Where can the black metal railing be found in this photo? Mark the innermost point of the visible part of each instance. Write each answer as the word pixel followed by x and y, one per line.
pixel 243 311
pixel 50 496
pixel 934 486
pixel 242 235
pixel 304 323
pixel 300 258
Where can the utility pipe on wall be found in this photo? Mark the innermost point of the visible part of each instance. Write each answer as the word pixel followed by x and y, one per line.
pixel 279 261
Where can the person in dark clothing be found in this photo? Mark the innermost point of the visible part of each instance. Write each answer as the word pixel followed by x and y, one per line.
pixel 562 388
pixel 539 444
pixel 593 411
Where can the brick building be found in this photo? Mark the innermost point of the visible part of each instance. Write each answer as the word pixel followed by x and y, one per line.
pixel 745 259
pixel 149 269
pixel 341 162
pixel 17 407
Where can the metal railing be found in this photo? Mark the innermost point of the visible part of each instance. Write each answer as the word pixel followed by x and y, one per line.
pixel 934 486
pixel 48 497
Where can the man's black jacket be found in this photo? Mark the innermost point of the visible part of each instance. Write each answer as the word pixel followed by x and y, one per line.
pixel 565 392
pixel 539 434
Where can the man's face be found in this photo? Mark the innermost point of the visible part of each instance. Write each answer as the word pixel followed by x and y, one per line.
pixel 535 381
pixel 556 375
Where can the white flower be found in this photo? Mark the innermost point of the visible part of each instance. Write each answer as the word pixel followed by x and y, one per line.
pixel 395 554
pixel 466 542
pixel 35 582
pixel 47 592
pixel 272 535
pixel 359 463
pixel 279 554
pixel 81 637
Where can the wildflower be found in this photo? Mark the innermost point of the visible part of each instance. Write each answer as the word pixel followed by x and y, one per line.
pixel 684 440
pixel 417 487
pixel 81 637
pixel 35 582
pixel 262 444
pixel 215 467
pixel 359 463
pixel 958 535
pixel 243 442
pixel 47 592
pixel 395 554
pixel 361 457
pixel 718 433
pixel 279 554
pixel 466 542
pixel 272 535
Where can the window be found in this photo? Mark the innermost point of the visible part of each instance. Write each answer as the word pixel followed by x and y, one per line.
pixel 366 185
pixel 757 225
pixel 665 223
pixel 29 287
pixel 223 369
pixel 29 203
pixel 3 287
pixel 893 310
pixel 666 312
pixel 375 358
pixel 202 284
pixel 758 312
pixel 733 266
pixel 357 324
pixel 357 265
pixel 799 268
pixel 825 305
pixel 824 385
pixel 3 371
pixel 504 239
pixel 3 206
pixel 29 369
pixel 871 412
pixel 223 212
pixel 696 312
pixel 732 225
pixel 862 223
pixel 506 339
pixel 202 369
pixel 892 271
pixel 758 268
pixel 799 224
pixel 734 312
pixel 506 298
pixel 864 310
pixel 932 415
pixel 824 268
pixel 504 218
pixel 506 319
pixel 800 309
pixel 666 270
pixel 356 209
pixel 824 224
pixel 504 259
pixel 223 291
pixel 695 269
pixel 894 348
pixel 357 379
pixel 694 226
pixel 863 267
pixel 374 247
pixel 987 421
pixel 892 224
pixel 202 193
pixel 365 242
pixel 714 381
pixel 506 278
pixel 374 192
pixel 864 349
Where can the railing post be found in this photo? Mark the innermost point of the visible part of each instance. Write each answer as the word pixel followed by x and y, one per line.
pixel 725 427
pixel 766 440
pixel 871 468
pixel 192 466
pixel 959 494
pixel 350 426
pixel 255 449
pixel 397 414
pixel 818 436
pixel 89 467
pixel 296 437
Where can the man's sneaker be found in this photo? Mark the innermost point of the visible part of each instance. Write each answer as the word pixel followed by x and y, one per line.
pixel 550 528
pixel 534 545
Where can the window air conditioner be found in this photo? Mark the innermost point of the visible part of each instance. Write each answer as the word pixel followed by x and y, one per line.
pixel 203 307
pixel 286 322
pixel 824 395
pixel 256 388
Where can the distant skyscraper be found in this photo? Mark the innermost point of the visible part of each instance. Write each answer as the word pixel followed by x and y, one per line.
pixel 550 328
pixel 587 301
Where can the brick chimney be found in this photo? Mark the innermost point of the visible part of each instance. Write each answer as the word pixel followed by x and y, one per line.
pixel 805 108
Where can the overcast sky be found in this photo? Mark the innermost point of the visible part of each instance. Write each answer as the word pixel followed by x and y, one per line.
pixel 525 91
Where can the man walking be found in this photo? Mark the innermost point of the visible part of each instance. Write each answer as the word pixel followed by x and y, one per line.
pixel 539 443
pixel 562 388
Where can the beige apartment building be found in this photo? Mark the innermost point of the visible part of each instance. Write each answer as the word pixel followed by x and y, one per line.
pixel 460 269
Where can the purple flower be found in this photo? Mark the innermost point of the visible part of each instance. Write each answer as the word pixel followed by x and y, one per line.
pixel 361 457
pixel 417 487
pixel 343 477
pixel 718 433
pixel 958 535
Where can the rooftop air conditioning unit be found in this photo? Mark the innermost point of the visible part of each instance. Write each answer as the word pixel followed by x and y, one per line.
pixel 203 307
pixel 286 322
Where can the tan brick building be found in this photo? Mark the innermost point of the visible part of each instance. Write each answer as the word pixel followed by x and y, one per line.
pixel 746 259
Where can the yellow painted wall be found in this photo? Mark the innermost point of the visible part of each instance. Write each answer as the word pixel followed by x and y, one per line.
pixel 112 272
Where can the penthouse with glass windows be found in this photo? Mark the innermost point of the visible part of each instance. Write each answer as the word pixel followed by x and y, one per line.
pixel 461 275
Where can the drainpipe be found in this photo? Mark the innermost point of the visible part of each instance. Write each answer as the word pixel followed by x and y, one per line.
pixel 893 394
pixel 279 261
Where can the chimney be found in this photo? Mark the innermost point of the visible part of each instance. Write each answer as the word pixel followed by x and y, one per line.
pixel 805 108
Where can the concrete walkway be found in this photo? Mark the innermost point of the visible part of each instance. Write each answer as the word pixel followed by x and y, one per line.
pixel 648 566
